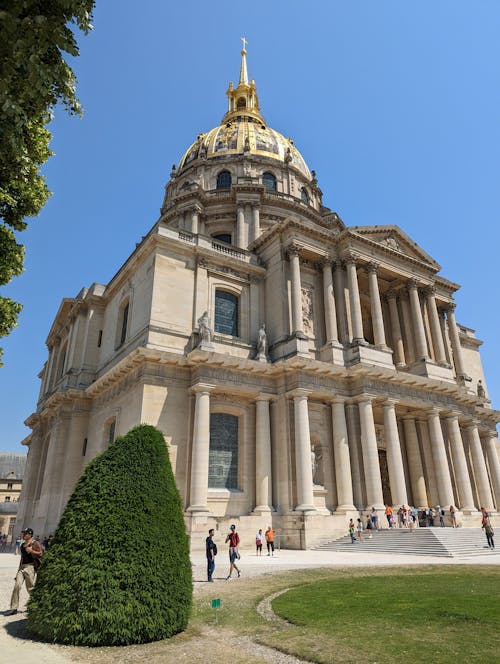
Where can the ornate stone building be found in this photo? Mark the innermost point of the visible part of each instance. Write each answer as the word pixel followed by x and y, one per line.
pixel 301 370
pixel 11 480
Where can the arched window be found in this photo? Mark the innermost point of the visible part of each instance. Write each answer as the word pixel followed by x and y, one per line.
pixel 223 237
pixel 224 180
pixel 304 195
pixel 223 452
pixel 269 182
pixel 122 324
pixel 226 313
pixel 241 103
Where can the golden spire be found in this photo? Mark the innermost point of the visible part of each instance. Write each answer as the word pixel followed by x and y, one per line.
pixel 243 100
pixel 243 68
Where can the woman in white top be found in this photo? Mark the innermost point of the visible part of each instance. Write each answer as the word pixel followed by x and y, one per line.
pixel 259 538
pixel 359 528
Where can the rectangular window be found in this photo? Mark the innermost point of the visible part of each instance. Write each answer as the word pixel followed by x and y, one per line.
pixel 226 313
pixel 99 339
pixel 111 431
pixel 7 499
pixel 223 453
pixel 9 485
pixel 123 334
pixel 84 448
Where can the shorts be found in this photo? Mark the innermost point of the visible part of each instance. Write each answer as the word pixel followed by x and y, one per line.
pixel 233 555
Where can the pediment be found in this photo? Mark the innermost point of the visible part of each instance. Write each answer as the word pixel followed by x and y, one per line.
pixel 392 238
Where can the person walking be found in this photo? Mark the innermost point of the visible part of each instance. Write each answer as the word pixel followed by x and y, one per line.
pixel 31 554
pixel 388 515
pixel 369 527
pixel 259 538
pixel 233 539
pixel 211 553
pixel 488 531
pixel 359 529
pixel 270 540
pixel 351 531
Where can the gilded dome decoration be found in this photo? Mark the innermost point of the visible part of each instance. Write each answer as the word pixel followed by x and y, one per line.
pixel 243 130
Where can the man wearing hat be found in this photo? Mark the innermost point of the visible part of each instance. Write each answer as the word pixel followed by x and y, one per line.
pixel 31 553
pixel 234 539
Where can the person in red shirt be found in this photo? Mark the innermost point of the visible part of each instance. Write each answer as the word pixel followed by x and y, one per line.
pixel 233 539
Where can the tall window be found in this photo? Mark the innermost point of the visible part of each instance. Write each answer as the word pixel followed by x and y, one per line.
pixel 110 431
pixel 223 237
pixel 269 182
pixel 226 313
pixel 62 361
pixel 224 180
pixel 223 453
pixel 304 195
pixel 122 324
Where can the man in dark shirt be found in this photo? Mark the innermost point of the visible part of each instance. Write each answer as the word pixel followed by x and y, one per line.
pixel 31 553
pixel 211 553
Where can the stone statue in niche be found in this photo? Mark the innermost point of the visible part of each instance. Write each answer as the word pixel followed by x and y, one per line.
pixel 317 465
pixel 480 390
pixel 308 311
pixel 262 344
pixel 205 332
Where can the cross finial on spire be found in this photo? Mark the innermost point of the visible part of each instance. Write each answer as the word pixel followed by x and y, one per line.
pixel 244 42
pixel 243 68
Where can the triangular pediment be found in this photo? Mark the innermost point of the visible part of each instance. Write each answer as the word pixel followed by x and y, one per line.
pixel 392 238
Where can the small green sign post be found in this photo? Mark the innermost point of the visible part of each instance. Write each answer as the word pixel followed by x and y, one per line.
pixel 216 606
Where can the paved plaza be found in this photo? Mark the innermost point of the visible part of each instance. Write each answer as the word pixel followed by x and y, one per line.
pixel 16 645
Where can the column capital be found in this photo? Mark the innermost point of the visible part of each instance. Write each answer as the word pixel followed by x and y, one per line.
pixel 202 388
pixel 434 411
pixel 256 206
pixel 350 258
pixel 263 396
pixel 299 392
pixel 293 249
pixel 327 261
pixel 390 403
pixel 372 266
pixel 364 398
pixel 452 415
pixel 430 290
pixel 449 306
pixel 196 208
pixel 336 400
pixel 391 294
pixel 412 284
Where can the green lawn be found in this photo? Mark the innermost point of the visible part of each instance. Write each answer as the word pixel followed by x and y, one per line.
pixel 450 614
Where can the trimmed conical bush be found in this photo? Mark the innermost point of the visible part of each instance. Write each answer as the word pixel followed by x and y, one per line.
pixel 118 570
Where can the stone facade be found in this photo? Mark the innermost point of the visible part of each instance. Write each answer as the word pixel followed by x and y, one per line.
pixel 302 371
pixel 11 481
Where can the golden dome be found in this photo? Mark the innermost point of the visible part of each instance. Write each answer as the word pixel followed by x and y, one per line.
pixel 244 131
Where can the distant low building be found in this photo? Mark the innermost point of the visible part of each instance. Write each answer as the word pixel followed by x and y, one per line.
pixel 11 481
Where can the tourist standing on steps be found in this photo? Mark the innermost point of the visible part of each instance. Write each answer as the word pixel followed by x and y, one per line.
pixel 369 527
pixel 351 531
pixel 31 553
pixel 233 539
pixel 259 538
pixel 440 511
pixel 211 553
pixel 453 518
pixel 388 515
pixel 374 519
pixel 488 531
pixel 270 540
pixel 359 529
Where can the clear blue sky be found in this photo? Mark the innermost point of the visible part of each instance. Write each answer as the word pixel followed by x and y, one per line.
pixel 394 104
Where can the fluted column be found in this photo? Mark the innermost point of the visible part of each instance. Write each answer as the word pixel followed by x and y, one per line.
pixel 462 479
pixel 329 303
pixel 338 282
pixel 397 337
pixel 240 225
pixel 479 464
pixel 418 322
pixel 456 347
pixel 195 219
pixel 200 449
pixel 256 221
pixel 371 464
pixel 356 317
pixel 297 323
pixel 432 488
pixel 305 494
pixel 263 476
pixel 443 478
pixel 417 479
pixel 437 335
pixel 376 306
pixel 394 457
pixel 342 457
pixel 354 436
pixel 491 449
pixel 408 329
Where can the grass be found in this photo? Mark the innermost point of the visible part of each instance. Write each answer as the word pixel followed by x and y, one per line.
pixel 435 616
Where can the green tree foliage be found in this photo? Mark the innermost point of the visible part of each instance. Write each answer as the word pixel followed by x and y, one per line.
pixel 118 571
pixel 34 77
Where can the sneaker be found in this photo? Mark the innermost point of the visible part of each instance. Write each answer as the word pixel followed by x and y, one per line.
pixel 239 574
pixel 228 578
pixel 11 612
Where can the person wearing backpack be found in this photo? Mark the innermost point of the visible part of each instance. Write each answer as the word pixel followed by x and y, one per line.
pixel 211 553
pixel 31 554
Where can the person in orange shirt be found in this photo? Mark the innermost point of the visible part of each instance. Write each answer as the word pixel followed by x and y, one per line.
pixel 388 514
pixel 270 540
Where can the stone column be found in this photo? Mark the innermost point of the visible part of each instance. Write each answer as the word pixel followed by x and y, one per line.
pixel 73 458
pixel 263 476
pixel 418 322
pixel 432 488
pixel 338 280
pixel 417 479
pixel 305 494
pixel 195 219
pixel 256 221
pixel 445 488
pixel 352 282
pixel 371 464
pixel 408 330
pixel 491 449
pixel 462 479
pixel 354 435
pixel 297 323
pixel 436 333
pixel 397 337
pixel 329 303
pixel 394 456
pixel 200 450
pixel 240 225
pixel 376 306
pixel 342 457
pixel 479 465
pixel 455 341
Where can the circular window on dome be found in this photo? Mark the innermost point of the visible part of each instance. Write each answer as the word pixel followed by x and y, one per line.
pixel 269 182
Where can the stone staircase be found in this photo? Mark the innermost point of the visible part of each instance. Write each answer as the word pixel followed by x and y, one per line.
pixel 444 542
